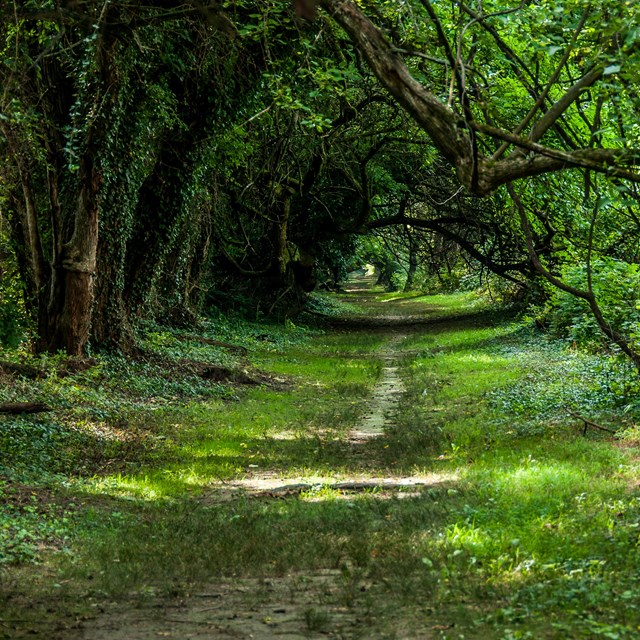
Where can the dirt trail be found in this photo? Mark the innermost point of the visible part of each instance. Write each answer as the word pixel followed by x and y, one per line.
pixel 292 606
pixel 386 395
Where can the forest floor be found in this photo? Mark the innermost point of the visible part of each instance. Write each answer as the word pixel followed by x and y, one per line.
pixel 418 467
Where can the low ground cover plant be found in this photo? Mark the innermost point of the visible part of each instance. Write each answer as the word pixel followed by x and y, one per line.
pixel 522 520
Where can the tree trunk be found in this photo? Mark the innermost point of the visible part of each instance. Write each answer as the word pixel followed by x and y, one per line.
pixel 281 232
pixel 20 246
pixel 66 317
pixel 413 265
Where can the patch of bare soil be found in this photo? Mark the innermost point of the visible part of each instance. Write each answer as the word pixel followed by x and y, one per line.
pixel 277 487
pixel 328 604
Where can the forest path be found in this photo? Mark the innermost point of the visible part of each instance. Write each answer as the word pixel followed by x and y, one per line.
pixel 326 603
pixel 386 394
pixel 413 476
pixel 394 323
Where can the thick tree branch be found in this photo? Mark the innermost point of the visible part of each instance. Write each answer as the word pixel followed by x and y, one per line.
pixel 437 119
pixel 561 105
pixel 451 135
pixel 547 160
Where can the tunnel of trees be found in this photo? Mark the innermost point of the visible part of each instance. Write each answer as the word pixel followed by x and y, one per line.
pixel 159 159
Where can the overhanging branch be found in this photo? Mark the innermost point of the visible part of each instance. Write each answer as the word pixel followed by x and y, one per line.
pixel 452 136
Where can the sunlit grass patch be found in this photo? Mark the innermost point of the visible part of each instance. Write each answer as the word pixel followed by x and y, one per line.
pixel 544 523
pixel 205 443
pixel 323 368
pixel 455 302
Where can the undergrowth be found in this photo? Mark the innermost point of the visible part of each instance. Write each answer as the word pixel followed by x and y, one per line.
pixel 523 526
pixel 117 415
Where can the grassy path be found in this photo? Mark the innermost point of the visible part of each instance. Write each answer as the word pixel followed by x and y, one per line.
pixel 413 474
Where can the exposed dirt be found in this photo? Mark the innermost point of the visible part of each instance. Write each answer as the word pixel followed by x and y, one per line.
pixel 385 397
pixel 295 607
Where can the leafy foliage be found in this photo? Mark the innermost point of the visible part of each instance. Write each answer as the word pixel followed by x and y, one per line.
pixel 13 317
pixel 617 287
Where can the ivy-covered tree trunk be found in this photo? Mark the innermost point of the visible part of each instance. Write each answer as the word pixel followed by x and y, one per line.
pixel 65 320
pixel 60 288
pixel 159 216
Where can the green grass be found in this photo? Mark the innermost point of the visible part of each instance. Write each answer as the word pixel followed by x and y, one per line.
pixel 525 528
pixel 551 520
pixel 449 304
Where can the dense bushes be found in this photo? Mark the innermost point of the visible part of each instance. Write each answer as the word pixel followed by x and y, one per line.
pixel 616 285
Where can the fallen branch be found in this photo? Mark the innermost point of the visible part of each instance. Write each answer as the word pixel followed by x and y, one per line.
pixel 25 370
pixel 589 423
pixel 24 407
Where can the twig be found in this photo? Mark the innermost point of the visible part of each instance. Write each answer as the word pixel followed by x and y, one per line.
pixel 589 423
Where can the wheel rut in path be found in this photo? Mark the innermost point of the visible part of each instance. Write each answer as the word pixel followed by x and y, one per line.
pixel 386 395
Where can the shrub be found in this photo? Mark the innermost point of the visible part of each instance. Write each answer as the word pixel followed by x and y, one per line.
pixel 616 285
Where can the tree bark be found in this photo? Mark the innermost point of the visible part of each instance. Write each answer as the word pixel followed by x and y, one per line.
pixel 413 266
pixel 65 320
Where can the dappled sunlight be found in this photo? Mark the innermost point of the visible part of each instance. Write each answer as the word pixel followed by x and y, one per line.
pixel 483 358
pixel 531 479
pixel 440 503
pixel 465 358
pixel 341 486
pixel 535 478
pixel 107 432
pixel 145 488
pixel 466 538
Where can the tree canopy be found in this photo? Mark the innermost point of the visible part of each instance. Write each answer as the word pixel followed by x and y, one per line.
pixel 162 157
